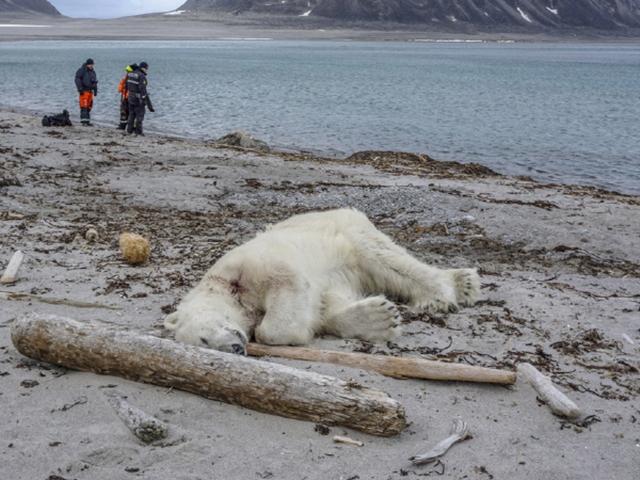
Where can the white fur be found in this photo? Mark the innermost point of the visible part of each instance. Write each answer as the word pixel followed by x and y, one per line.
pixel 330 272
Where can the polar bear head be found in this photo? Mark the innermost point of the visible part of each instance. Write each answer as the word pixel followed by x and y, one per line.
pixel 211 321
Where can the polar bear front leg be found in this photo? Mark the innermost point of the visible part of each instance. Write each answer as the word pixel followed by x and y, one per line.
pixel 289 317
pixel 373 319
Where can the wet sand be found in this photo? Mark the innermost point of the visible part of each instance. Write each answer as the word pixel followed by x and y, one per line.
pixel 560 268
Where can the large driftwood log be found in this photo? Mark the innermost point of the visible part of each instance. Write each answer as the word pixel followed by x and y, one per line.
pixel 266 387
pixel 397 367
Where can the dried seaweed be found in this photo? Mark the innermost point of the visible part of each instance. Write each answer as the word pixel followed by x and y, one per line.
pixel 588 341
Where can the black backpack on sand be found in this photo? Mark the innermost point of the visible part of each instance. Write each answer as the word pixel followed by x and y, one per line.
pixel 59 120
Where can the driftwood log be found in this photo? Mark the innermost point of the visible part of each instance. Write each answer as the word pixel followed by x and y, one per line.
pixel 10 275
pixel 396 367
pixel 557 401
pixel 266 387
pixel 146 428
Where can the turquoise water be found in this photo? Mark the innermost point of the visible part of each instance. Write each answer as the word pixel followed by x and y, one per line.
pixel 558 112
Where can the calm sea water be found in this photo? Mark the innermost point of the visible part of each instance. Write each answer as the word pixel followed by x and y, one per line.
pixel 557 112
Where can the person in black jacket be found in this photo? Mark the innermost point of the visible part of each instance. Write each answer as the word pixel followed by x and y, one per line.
pixel 87 85
pixel 138 98
pixel 124 97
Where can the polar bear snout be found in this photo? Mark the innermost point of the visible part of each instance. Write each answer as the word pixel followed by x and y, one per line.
pixel 228 340
pixel 238 345
pixel 233 342
pixel 207 331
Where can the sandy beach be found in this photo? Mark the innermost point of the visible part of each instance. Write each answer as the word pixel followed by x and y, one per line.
pixel 560 268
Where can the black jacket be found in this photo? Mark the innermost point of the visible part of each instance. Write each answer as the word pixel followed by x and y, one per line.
pixel 137 86
pixel 86 80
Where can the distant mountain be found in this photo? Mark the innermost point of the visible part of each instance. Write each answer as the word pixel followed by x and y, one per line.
pixel 39 7
pixel 535 14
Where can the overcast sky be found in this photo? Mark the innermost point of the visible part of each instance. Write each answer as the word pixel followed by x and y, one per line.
pixel 113 8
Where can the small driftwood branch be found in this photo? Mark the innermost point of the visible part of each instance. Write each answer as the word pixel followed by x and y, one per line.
pixel 145 427
pixel 348 441
pixel 396 367
pixel 459 432
pixel 53 301
pixel 11 216
pixel 11 273
pixel 557 401
pixel 266 387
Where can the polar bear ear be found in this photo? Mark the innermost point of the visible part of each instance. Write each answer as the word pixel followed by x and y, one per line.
pixel 172 320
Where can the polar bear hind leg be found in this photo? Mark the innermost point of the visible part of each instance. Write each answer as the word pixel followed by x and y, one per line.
pixel 389 269
pixel 467 285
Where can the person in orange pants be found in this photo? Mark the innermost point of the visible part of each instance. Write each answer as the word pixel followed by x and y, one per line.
pixel 87 85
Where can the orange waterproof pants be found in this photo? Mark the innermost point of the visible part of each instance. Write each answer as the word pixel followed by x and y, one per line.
pixel 86 100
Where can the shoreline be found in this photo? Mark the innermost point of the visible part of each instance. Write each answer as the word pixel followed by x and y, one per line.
pixel 211 28
pixel 275 148
pixel 560 273
pixel 301 151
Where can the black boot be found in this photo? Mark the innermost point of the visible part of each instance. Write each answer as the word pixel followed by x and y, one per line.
pixel 85 117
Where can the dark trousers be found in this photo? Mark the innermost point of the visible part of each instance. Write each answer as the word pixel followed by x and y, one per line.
pixel 85 115
pixel 124 114
pixel 136 117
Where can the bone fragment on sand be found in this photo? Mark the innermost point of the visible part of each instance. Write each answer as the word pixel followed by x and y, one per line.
pixel 267 387
pixel 557 401
pixel 11 273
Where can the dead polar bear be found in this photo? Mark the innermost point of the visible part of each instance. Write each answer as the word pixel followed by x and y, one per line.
pixel 317 273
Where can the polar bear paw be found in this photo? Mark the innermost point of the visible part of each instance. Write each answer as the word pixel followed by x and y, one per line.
pixel 467 286
pixel 436 305
pixel 438 298
pixel 374 319
pixel 449 291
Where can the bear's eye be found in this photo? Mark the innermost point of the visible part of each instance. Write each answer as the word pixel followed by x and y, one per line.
pixel 238 334
pixel 204 341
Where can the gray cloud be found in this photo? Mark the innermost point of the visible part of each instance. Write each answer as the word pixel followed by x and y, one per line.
pixel 113 8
